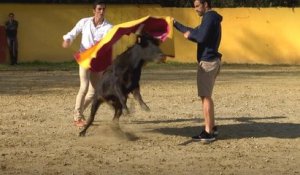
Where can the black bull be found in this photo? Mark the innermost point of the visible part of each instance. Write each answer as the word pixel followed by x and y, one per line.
pixel 123 76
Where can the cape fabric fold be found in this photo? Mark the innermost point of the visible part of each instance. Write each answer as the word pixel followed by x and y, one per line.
pixel 99 57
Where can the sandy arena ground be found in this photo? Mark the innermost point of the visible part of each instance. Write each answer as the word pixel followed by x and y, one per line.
pixel 257 111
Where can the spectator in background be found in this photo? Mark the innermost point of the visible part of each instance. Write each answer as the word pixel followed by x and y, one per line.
pixel 92 29
pixel 11 28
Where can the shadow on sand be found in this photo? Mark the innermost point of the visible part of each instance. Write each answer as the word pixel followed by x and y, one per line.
pixel 247 127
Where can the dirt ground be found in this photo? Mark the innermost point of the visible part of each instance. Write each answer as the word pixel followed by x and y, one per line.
pixel 257 111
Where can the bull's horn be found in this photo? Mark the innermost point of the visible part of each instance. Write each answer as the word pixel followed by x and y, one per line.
pixel 139 30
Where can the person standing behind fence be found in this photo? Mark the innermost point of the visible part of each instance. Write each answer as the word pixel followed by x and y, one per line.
pixel 11 28
pixel 208 36
pixel 93 29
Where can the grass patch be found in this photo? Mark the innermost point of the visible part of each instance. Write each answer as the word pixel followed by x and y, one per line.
pixel 72 65
pixel 41 66
pixel 68 66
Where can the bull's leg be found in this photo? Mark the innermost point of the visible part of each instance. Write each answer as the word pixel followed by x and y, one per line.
pixel 95 106
pixel 118 112
pixel 122 98
pixel 137 95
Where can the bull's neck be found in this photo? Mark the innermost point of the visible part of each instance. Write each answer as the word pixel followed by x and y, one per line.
pixel 136 59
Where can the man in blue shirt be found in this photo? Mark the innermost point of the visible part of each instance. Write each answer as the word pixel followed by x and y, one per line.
pixel 207 36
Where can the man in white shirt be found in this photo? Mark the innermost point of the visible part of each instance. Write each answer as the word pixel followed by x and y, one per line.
pixel 93 29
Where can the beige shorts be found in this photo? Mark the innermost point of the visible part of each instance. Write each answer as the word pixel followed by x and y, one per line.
pixel 206 76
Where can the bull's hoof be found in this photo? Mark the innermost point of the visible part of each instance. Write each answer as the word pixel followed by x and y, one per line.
pixel 125 112
pixel 145 107
pixel 115 121
pixel 82 134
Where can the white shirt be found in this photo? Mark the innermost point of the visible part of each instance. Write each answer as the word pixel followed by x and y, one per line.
pixel 91 34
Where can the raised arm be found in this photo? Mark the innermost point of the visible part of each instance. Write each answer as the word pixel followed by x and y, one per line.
pixel 70 36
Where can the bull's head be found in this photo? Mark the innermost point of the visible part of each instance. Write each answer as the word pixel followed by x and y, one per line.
pixel 150 48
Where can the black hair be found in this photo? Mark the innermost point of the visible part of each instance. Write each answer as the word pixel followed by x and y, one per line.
pixel 98 2
pixel 11 14
pixel 207 1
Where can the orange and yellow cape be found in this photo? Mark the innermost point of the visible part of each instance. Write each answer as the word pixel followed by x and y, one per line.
pixel 99 57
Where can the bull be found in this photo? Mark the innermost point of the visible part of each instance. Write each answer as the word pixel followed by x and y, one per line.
pixel 123 76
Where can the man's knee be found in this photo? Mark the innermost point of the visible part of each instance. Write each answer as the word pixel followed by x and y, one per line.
pixel 83 90
pixel 89 96
pixel 205 97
